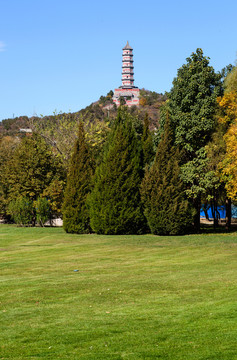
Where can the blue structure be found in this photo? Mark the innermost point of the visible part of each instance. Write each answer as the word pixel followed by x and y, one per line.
pixel 221 212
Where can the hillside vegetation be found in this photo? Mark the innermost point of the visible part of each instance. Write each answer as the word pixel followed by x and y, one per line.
pixel 150 102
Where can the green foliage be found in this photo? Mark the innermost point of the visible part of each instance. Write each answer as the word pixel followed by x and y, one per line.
pixel 147 143
pixel 122 100
pixel 21 210
pixel 150 98
pixel 32 169
pixel 106 100
pixel 7 148
pixel 54 194
pixel 164 115
pixel 230 82
pixel 225 71
pixel 115 206
pixel 60 130
pixel 42 210
pixel 196 175
pixel 192 103
pixel 75 212
pixel 163 192
pixel 191 107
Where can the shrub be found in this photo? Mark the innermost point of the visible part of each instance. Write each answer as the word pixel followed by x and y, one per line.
pixel 43 211
pixel 21 211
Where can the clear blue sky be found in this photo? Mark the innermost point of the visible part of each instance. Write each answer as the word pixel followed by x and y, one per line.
pixel 64 54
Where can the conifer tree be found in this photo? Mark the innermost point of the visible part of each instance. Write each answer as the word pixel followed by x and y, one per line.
pixel 147 143
pixel 75 211
pixel 115 204
pixel 167 210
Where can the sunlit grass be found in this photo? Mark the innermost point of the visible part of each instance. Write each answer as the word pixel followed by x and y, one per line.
pixel 133 297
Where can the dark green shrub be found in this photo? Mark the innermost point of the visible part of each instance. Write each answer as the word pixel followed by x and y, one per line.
pixel 167 209
pixel 75 212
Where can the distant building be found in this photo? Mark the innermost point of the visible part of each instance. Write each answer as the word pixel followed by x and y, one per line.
pixel 26 131
pixel 127 91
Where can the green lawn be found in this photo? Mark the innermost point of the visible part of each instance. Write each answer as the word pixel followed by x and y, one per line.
pixel 133 297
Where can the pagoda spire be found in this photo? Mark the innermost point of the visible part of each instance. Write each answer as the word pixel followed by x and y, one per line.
pixel 127 91
pixel 127 46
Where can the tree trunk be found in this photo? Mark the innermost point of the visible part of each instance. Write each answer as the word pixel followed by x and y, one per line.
pixel 228 214
pixel 197 205
pixel 215 214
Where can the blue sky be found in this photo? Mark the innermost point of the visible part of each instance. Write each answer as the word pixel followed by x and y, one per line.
pixel 63 55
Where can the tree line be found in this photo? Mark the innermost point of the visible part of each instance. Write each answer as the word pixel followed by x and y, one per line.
pixel 120 177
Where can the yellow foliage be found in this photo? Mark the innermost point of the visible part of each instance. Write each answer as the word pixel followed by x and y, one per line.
pixel 143 101
pixel 228 167
pixel 228 103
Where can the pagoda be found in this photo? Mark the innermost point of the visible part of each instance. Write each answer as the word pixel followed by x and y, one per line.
pixel 128 91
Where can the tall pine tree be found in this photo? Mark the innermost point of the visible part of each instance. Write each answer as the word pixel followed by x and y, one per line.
pixel 75 211
pixel 167 210
pixel 115 204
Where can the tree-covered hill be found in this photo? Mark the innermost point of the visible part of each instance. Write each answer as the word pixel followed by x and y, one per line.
pixel 60 129
pixel 99 111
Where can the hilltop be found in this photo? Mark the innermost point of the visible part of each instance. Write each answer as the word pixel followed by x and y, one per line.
pixel 101 111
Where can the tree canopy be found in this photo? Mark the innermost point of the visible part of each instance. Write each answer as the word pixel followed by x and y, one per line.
pixel 228 117
pixel 32 170
pixel 192 107
pixel 192 102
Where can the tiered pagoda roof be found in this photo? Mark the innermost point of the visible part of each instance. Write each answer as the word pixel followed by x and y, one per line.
pixel 127 47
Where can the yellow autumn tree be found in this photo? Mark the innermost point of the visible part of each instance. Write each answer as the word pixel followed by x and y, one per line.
pixel 228 105
pixel 143 101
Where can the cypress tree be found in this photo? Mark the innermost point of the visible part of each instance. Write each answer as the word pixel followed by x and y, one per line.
pixel 75 211
pixel 115 204
pixel 147 143
pixel 167 210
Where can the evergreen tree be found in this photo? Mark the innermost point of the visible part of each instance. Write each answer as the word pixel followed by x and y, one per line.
pixel 167 209
pixel 75 211
pixel 115 205
pixel 7 148
pixel 147 143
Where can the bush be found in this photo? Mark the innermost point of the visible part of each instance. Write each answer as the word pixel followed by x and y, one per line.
pixel 43 211
pixel 21 211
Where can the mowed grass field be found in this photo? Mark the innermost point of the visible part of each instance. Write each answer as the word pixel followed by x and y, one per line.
pixel 133 297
